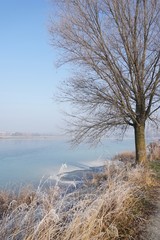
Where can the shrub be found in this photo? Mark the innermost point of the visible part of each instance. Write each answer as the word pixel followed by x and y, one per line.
pixel 154 151
pixel 128 158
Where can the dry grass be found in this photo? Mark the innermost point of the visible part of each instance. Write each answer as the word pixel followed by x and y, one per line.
pixel 126 157
pixel 154 151
pixel 108 208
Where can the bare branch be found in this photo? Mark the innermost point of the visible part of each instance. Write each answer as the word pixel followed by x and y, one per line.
pixel 115 45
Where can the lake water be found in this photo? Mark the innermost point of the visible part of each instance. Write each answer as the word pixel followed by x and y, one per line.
pixel 26 161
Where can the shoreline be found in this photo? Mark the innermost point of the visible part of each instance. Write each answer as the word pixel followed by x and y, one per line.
pixel 26 137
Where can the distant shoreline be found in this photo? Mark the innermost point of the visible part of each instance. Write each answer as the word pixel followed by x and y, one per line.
pixel 26 137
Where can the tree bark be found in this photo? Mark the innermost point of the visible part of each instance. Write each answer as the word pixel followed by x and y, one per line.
pixel 140 144
pixel 116 79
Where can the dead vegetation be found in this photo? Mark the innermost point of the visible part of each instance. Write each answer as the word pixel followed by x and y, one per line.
pixel 154 151
pixel 110 207
pixel 126 157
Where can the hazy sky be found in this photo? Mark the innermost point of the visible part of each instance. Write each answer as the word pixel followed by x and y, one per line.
pixel 28 77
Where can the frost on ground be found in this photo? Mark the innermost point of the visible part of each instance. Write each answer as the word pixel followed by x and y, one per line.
pixel 154 225
pixel 105 207
pixel 152 229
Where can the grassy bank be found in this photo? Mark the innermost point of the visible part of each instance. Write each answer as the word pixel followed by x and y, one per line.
pixel 110 206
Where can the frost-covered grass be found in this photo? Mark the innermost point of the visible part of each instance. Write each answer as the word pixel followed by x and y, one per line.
pixel 154 151
pixel 110 206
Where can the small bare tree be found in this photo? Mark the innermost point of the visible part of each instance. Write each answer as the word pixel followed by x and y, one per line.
pixel 116 46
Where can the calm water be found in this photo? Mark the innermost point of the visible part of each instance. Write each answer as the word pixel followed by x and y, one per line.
pixel 25 161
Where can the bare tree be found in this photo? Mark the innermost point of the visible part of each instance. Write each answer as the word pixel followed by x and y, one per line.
pixel 115 44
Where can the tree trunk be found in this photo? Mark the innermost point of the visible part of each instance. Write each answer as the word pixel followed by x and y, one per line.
pixel 140 144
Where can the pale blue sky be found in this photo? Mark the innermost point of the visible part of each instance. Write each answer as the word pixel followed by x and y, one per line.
pixel 28 77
